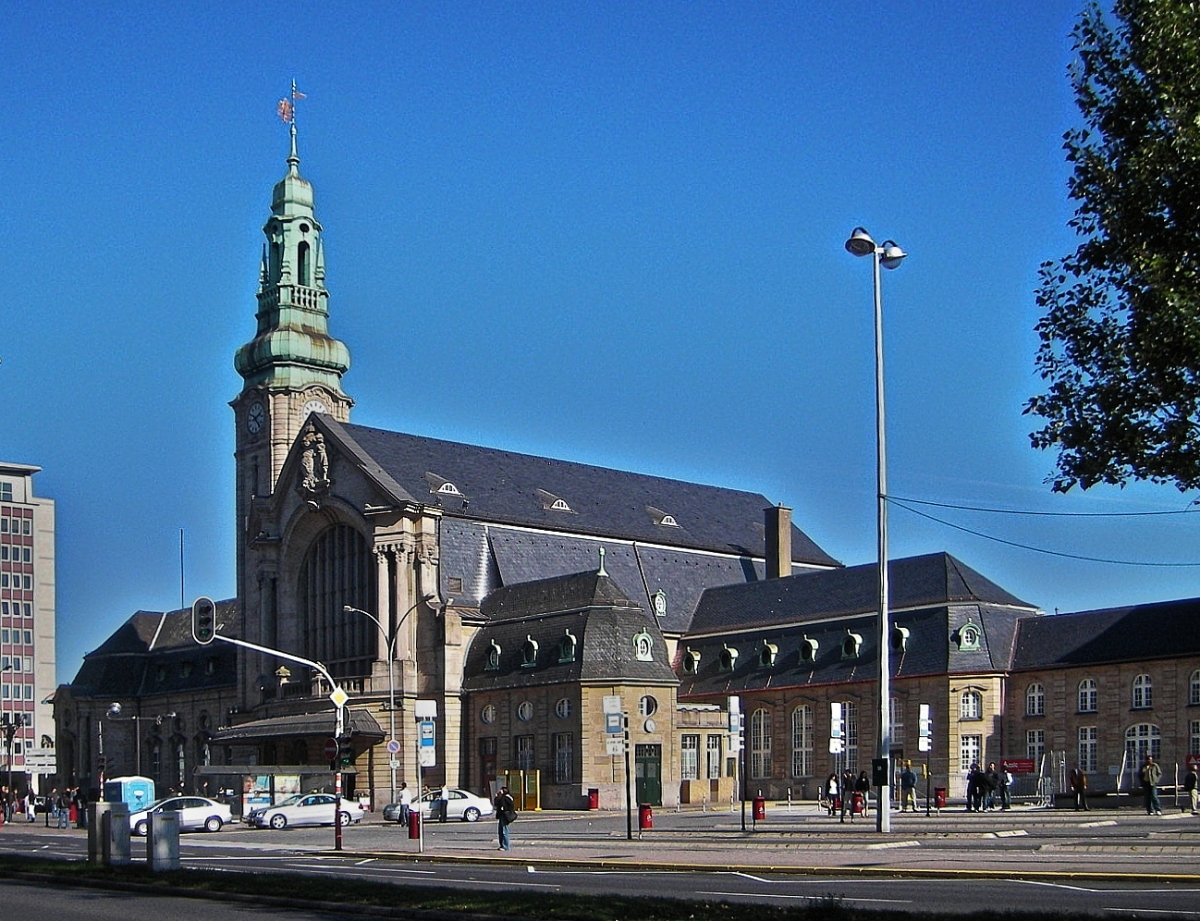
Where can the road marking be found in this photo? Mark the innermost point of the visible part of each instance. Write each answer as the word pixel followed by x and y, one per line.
pixel 757 879
pixel 808 898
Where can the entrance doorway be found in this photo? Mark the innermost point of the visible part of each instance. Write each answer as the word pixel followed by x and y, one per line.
pixel 648 774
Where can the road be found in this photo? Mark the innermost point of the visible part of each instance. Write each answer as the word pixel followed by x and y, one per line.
pixel 954 863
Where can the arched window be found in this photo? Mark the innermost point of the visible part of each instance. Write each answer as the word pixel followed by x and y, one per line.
pixel 566 647
pixel 1087 695
pixel 1141 740
pixel 303 264
pixel 338 570
pixel 729 657
pixel 766 654
pixel 1143 693
pixel 1035 700
pixel 802 741
pixel 1194 689
pixel 493 657
pixel 760 744
pixel 529 652
pixel 691 662
pixel 808 649
pixel 970 706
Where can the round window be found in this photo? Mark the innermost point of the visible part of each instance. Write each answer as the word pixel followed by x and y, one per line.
pixel 488 713
pixel 525 711
pixel 563 708
pixel 647 706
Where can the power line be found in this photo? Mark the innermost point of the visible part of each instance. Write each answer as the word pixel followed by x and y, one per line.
pixel 1030 547
pixel 1032 513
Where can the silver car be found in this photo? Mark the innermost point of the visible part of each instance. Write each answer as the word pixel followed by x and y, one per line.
pixel 305 809
pixel 195 812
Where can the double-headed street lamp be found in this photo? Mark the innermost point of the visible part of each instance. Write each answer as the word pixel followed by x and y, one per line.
pixel 889 255
pixel 389 637
pixel 114 713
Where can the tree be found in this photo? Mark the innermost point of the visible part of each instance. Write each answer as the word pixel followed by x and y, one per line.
pixel 1120 330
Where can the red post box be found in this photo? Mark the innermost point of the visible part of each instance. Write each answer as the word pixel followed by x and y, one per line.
pixel 645 816
pixel 760 808
pixel 593 798
pixel 414 824
pixel 939 797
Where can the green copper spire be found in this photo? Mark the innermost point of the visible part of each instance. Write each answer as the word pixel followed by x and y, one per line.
pixel 292 347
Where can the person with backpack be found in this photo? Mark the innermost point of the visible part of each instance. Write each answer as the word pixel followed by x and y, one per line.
pixel 506 812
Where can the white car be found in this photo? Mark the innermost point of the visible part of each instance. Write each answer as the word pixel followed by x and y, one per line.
pixel 195 813
pixel 461 805
pixel 304 809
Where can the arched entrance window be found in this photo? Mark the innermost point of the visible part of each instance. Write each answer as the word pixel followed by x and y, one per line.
pixel 339 569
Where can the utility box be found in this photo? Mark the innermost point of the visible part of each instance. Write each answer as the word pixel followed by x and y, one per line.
pixel 162 842
pixel 114 835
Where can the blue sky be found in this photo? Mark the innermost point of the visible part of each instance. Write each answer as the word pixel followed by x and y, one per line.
pixel 610 233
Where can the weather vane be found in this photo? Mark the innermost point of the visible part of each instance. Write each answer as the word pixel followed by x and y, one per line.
pixel 286 107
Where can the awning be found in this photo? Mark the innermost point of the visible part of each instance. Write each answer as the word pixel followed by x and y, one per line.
pixel 359 724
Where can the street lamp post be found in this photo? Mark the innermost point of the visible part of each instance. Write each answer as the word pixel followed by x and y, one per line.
pixel 889 255
pixel 114 713
pixel 389 637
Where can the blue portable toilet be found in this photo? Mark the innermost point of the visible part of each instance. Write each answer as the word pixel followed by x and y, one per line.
pixel 136 792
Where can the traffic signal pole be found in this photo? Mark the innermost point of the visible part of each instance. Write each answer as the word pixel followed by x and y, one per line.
pixel 204 631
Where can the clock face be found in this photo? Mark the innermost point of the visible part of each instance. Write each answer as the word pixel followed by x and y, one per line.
pixel 255 417
pixel 314 406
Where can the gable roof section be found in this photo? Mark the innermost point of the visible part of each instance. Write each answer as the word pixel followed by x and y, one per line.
pixel 1137 632
pixel 506 487
pixel 914 582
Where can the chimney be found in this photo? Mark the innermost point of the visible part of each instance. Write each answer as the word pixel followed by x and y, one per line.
pixel 779 541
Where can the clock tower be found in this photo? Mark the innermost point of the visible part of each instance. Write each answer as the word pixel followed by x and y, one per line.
pixel 292 367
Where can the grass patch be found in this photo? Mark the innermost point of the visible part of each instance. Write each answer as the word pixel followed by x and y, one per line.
pixel 383 897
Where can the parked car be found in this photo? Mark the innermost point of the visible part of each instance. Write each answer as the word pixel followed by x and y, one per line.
pixel 304 809
pixel 195 813
pixel 462 805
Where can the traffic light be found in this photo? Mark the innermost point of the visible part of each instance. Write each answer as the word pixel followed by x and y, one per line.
pixel 204 620
pixel 345 750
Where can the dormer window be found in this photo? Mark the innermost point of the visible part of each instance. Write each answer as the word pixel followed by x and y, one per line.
pixel 553 503
pixel 529 653
pixel 691 662
pixel 643 647
pixel 900 638
pixel 440 486
pixel 729 657
pixel 566 647
pixel 851 645
pixel 493 657
pixel 808 649
pixel 967 637
pixel 661 518
pixel 766 654
pixel 659 601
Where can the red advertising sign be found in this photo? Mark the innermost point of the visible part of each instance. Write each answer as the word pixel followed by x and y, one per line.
pixel 1017 765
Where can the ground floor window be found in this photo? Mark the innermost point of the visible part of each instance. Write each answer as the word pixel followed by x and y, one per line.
pixel 1035 746
pixel 689 757
pixel 850 732
pixel 523 748
pixel 1087 749
pixel 1194 738
pixel 1142 740
pixel 802 741
pixel 760 744
pixel 712 757
pixel 970 749
pixel 564 757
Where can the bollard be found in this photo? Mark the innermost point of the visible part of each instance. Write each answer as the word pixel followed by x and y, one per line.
pixel 97 852
pixel 414 824
pixel 162 841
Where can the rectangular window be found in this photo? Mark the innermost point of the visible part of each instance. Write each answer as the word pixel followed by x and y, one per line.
pixel 1087 748
pixel 28 637
pixel 523 746
pixel 564 757
pixel 970 748
pixel 802 741
pixel 850 728
pixel 760 744
pixel 1035 746
pixel 689 757
pixel 1194 738
pixel 29 692
pixel 6 492
pixel 896 709
pixel 712 757
pixel 4 635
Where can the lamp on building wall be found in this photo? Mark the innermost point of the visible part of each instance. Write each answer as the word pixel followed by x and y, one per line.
pixel 889 255
pixel 389 637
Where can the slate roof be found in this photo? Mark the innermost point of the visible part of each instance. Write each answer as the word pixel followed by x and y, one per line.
pixel 919 581
pixel 322 723
pixel 1135 633
pixel 517 489
pixel 154 653
pixel 591 607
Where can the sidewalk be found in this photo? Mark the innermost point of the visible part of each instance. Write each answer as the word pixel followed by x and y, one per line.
pixel 1024 841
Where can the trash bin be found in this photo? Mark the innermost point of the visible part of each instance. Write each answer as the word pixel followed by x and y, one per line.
pixel 414 824
pixel 645 816
pixel 760 808
pixel 593 798
pixel 939 797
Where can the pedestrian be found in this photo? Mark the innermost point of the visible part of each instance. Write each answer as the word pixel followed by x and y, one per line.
pixel 908 788
pixel 30 806
pixel 862 792
pixel 831 794
pixel 443 803
pixel 974 789
pixel 1190 787
pixel 63 809
pixel 1078 782
pixel 1151 776
pixel 506 811
pixel 1006 782
pixel 405 803
pixel 991 779
pixel 847 793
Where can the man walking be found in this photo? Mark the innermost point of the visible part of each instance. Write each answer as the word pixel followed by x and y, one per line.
pixel 1078 781
pixel 1190 787
pixel 1151 776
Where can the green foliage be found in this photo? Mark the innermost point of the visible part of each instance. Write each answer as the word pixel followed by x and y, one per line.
pixel 1120 331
